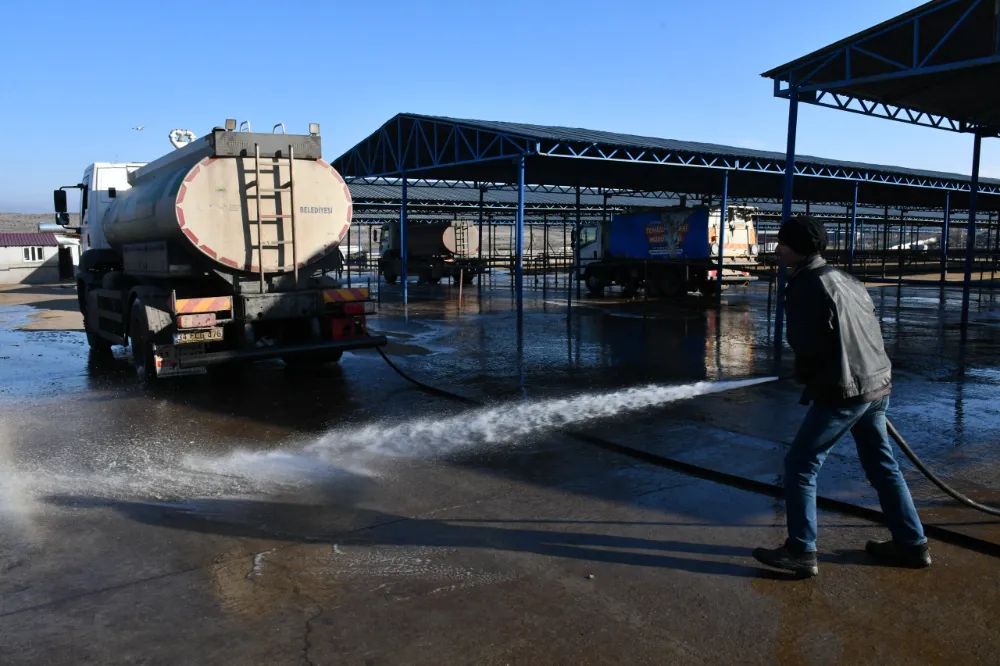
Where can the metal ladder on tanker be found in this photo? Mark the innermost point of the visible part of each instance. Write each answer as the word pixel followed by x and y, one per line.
pixel 278 218
pixel 461 248
pixel 461 239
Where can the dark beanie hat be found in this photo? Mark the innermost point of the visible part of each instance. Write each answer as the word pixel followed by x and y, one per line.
pixel 805 235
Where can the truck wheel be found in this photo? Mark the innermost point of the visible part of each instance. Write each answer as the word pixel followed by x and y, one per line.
pixel 390 278
pixel 99 345
pixel 468 278
pixel 142 346
pixel 595 285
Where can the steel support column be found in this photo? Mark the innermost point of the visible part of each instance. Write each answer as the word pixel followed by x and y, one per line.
pixel 944 237
pixel 519 265
pixel 970 245
pixel 479 252
pixel 851 240
pixel 722 234
pixel 576 245
pixel 786 209
pixel 402 244
pixel 885 239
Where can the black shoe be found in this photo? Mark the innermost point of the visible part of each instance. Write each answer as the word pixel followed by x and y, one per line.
pixel 890 552
pixel 802 564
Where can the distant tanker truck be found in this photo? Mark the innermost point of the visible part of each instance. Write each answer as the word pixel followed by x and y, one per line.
pixel 669 252
pixel 433 250
pixel 215 254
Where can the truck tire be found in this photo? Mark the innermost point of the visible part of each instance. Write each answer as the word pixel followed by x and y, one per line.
pixel 142 346
pixel 595 284
pixel 100 346
pixel 390 278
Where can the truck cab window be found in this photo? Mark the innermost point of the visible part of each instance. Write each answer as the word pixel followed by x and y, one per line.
pixel 588 235
pixel 83 202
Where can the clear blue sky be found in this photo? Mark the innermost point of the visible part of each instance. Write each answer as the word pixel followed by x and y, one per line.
pixel 78 76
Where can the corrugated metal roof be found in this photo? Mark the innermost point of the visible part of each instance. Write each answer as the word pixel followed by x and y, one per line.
pixel 581 135
pixel 46 239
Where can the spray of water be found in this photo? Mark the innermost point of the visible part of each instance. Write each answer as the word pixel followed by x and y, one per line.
pixel 358 449
pixel 169 471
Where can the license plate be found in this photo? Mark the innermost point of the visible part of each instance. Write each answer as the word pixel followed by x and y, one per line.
pixel 210 335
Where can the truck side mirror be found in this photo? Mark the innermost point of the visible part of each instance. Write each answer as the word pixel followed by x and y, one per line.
pixel 59 199
pixel 374 235
pixel 112 193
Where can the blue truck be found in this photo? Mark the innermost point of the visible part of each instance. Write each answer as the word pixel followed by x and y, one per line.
pixel 669 252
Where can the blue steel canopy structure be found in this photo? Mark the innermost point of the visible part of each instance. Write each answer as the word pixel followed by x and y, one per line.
pixel 445 199
pixel 448 149
pixel 936 66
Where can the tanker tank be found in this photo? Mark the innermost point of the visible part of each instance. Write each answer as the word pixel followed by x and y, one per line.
pixel 203 200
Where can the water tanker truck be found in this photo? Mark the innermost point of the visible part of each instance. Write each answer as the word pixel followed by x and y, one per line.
pixel 668 252
pixel 433 250
pixel 216 254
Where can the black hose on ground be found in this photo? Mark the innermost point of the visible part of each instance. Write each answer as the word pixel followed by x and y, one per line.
pixel 932 477
pixel 427 387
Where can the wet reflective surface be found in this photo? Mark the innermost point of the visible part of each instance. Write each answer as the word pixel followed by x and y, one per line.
pixel 340 516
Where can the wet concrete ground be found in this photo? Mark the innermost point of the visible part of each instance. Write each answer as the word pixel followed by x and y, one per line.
pixel 295 519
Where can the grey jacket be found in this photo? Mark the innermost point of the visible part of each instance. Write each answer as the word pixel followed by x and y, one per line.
pixel 832 327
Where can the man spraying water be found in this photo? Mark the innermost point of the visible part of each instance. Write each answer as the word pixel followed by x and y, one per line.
pixel 840 358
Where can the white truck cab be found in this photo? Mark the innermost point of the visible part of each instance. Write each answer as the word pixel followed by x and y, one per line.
pixel 100 181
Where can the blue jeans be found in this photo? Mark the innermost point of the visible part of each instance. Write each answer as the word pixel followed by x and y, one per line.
pixel 822 429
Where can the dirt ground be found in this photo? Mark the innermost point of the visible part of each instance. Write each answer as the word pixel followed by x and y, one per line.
pixel 56 306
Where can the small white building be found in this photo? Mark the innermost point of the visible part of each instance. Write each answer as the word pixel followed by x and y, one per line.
pixel 34 258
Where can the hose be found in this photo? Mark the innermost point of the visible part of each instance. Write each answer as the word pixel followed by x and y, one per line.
pixel 932 477
pixel 919 464
pixel 740 482
pixel 427 387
